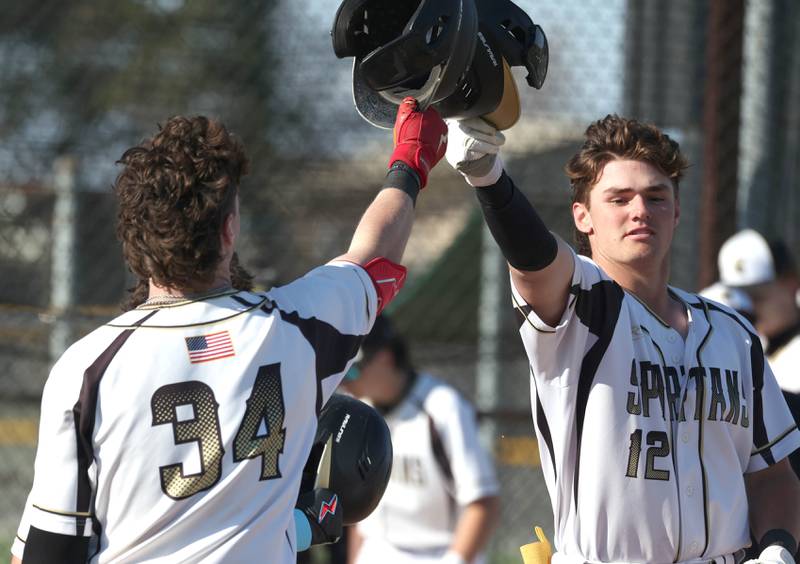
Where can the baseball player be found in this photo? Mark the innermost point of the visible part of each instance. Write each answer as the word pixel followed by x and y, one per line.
pixel 178 431
pixel 765 272
pixel 441 502
pixel 663 433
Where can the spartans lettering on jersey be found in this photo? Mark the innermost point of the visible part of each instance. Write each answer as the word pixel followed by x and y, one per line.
pixel 656 389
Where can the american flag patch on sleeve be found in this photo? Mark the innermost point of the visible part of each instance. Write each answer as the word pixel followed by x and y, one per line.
pixel 213 346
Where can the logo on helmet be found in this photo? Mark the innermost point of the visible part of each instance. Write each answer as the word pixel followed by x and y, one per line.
pixel 488 49
pixel 328 507
pixel 342 426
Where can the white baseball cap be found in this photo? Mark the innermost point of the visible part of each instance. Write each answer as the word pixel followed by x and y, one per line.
pixel 734 298
pixel 745 260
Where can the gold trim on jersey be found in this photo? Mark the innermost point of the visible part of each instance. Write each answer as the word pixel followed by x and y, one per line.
pixel 248 309
pixel 775 441
pixel 64 513
pixel 658 318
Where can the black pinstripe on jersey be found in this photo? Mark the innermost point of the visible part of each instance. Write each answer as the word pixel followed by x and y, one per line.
pixel 702 402
pixel 84 418
pixel 598 308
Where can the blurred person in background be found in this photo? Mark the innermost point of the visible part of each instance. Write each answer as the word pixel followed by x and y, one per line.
pixel 734 298
pixel 441 504
pixel 179 430
pixel 766 272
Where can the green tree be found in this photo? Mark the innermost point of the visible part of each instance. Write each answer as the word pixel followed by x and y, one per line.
pixel 88 79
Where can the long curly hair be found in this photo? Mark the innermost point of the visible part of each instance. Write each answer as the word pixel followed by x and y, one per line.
pixel 175 192
pixel 615 137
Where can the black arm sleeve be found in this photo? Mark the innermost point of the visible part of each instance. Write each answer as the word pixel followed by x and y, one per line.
pixel 520 233
pixel 44 547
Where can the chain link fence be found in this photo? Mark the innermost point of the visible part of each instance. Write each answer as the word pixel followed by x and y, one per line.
pixel 80 82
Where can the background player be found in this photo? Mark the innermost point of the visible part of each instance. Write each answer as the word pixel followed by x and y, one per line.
pixel 441 503
pixel 734 298
pixel 179 430
pixel 664 435
pixel 765 271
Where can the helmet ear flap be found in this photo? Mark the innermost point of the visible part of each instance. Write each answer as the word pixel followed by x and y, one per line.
pixel 521 42
pixel 343 34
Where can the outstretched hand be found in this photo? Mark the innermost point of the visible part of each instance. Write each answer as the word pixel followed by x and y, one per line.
pixel 474 150
pixel 420 138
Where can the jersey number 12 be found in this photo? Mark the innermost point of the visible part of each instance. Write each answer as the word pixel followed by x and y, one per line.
pixel 658 447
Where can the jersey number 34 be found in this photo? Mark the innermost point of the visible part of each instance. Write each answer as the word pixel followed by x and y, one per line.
pixel 264 404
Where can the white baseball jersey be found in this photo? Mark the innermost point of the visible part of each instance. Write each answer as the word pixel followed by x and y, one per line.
pixel 783 354
pixel 179 433
pixel 439 467
pixel 784 358
pixel 644 436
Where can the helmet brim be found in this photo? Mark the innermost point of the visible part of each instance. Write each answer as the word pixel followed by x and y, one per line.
pixel 509 110
pixel 370 105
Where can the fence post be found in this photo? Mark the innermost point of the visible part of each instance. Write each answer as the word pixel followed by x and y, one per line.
pixel 721 111
pixel 64 259
pixel 487 391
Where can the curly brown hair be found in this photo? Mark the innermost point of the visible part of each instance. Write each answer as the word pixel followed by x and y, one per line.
pixel 175 192
pixel 615 137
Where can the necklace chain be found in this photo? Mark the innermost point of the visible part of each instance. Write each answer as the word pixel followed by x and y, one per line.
pixel 167 299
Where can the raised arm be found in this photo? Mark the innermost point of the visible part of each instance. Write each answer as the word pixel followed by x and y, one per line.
pixel 384 228
pixel 541 263
pixel 420 143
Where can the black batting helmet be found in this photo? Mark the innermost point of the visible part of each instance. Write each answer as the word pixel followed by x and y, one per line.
pixel 417 48
pixel 351 455
pixel 507 37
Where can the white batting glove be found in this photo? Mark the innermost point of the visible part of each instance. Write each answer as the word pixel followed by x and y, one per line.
pixel 473 148
pixel 774 554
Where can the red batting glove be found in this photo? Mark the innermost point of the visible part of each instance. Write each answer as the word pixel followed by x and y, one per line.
pixel 420 138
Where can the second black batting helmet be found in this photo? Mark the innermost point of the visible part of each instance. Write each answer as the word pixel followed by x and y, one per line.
pixel 351 455
pixel 417 48
pixel 507 37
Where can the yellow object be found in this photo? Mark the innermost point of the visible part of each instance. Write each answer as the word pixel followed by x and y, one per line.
pixel 518 451
pixel 538 552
